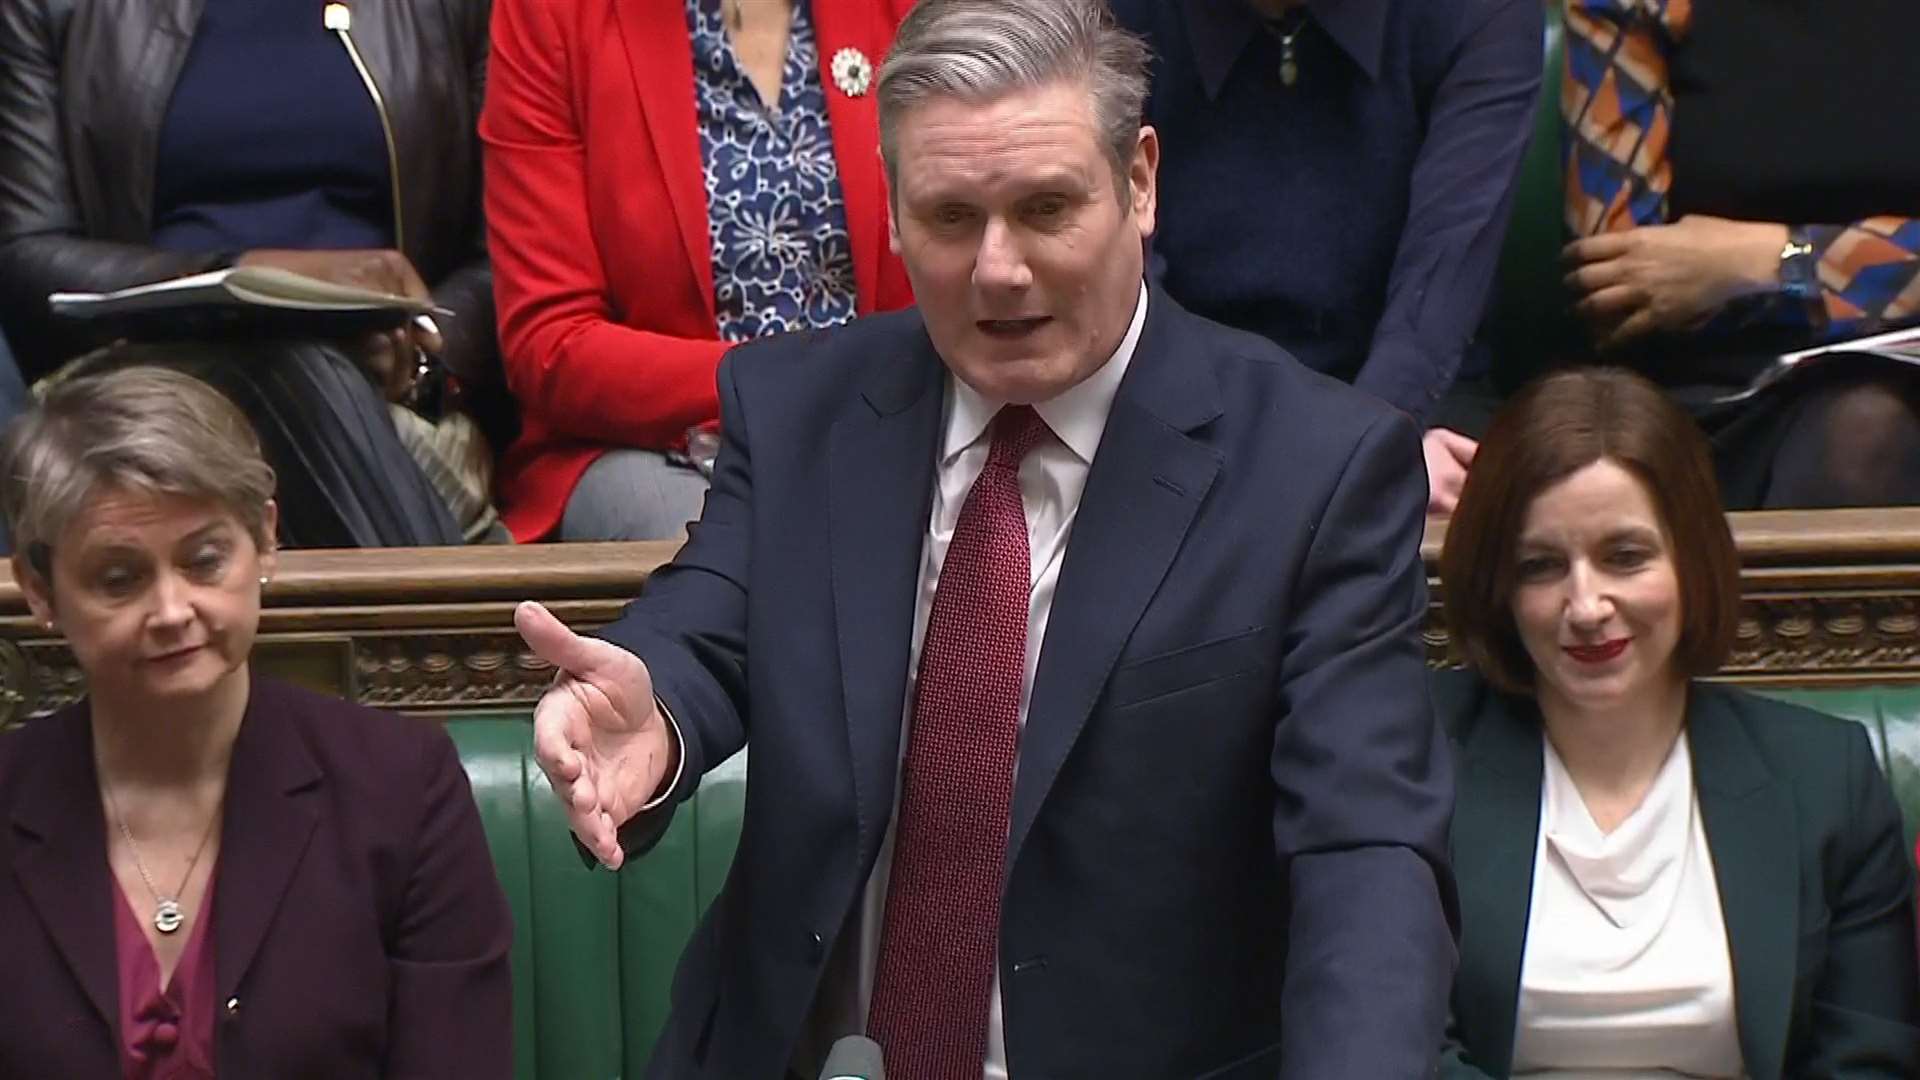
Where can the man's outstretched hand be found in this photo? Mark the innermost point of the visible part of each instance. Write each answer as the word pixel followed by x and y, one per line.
pixel 597 732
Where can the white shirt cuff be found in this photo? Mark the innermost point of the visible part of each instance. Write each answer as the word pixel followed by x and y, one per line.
pixel 680 766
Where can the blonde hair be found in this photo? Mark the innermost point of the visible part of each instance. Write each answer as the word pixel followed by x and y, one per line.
pixel 140 428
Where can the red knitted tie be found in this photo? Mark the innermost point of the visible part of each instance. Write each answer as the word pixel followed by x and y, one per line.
pixel 942 926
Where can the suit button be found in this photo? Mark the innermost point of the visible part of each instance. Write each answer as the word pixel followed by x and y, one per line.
pixel 233 1007
pixel 816 948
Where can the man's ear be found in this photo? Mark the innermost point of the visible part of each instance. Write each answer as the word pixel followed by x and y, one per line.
pixel 893 206
pixel 1143 174
pixel 37 590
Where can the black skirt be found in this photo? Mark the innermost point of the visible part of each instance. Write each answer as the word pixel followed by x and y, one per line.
pixel 1747 437
pixel 1750 436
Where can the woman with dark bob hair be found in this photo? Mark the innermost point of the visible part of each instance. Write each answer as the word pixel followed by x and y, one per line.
pixel 1658 875
pixel 206 872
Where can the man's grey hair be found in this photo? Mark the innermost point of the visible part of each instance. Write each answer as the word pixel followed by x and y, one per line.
pixel 142 429
pixel 978 50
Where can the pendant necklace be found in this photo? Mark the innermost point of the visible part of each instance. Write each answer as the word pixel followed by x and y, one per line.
pixel 166 909
pixel 1286 29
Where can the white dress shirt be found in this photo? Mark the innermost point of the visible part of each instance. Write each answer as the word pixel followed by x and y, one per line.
pixel 1051 480
pixel 1626 973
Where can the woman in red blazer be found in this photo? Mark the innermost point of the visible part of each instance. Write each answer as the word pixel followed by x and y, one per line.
pixel 603 126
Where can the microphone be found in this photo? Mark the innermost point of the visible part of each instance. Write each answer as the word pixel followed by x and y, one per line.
pixel 855 1057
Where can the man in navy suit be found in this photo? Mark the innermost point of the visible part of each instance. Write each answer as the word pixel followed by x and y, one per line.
pixel 1077 638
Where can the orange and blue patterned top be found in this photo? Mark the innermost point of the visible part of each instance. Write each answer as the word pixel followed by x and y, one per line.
pixel 1618 102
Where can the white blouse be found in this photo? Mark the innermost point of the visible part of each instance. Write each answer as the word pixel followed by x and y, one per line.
pixel 1626 971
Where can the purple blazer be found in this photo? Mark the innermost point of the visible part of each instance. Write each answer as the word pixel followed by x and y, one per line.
pixel 360 930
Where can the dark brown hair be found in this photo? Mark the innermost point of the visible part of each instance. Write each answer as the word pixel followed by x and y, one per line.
pixel 1550 430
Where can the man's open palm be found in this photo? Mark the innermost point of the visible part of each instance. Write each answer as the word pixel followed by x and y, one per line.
pixel 597 732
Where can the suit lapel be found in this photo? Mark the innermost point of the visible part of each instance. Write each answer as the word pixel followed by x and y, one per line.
pixel 1146 484
pixel 853 119
pixel 1749 819
pixel 660 54
pixel 61 859
pixel 1496 831
pixel 880 490
pixel 270 818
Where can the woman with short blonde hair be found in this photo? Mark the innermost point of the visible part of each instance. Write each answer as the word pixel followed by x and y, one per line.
pixel 215 873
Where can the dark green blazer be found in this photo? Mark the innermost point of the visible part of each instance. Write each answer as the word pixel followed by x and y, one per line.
pixel 1815 881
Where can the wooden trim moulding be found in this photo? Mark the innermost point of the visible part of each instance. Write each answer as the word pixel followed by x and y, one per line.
pixel 1831 597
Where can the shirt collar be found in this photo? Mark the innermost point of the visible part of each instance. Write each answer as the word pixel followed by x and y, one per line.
pixel 1077 415
pixel 1220 30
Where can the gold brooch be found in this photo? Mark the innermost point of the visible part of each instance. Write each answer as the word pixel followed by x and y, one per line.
pixel 852 72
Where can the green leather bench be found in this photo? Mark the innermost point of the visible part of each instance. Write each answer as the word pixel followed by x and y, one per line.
pixel 594 953
pixel 1891 715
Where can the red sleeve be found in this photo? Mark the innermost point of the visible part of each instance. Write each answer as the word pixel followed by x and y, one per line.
pixel 567 359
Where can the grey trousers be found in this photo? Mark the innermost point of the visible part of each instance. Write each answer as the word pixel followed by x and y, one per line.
pixel 633 495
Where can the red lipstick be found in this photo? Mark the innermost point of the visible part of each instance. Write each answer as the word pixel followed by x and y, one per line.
pixel 1597 654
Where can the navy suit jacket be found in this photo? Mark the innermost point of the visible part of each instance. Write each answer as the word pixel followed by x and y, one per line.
pixel 1227 846
pixel 359 930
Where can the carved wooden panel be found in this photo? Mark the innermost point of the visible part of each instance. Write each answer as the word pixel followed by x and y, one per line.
pixel 427 630
pixel 1830 596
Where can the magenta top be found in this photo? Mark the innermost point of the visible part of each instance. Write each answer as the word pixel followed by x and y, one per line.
pixel 165 1036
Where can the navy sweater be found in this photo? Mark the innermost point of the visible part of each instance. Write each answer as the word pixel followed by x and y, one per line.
pixel 1356 216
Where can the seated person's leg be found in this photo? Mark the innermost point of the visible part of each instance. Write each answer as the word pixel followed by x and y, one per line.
pixel 344 479
pixel 320 419
pixel 457 461
pixel 13 388
pixel 1851 442
pixel 633 495
pixel 13 398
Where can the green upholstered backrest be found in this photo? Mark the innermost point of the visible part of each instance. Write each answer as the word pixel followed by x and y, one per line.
pixel 1529 323
pixel 566 977
pixel 664 895
pixel 1891 715
pixel 594 953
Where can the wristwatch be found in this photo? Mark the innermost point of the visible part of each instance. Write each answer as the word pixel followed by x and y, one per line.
pixel 1797 277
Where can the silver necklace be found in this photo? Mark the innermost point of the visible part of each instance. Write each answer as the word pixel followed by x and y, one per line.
pixel 166 909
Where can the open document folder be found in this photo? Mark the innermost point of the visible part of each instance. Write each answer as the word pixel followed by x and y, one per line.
pixel 1900 346
pixel 249 300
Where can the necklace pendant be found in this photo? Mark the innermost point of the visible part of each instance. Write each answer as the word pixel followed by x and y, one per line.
pixel 1289 72
pixel 167 917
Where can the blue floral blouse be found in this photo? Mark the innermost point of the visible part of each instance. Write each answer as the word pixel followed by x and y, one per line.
pixel 777 220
